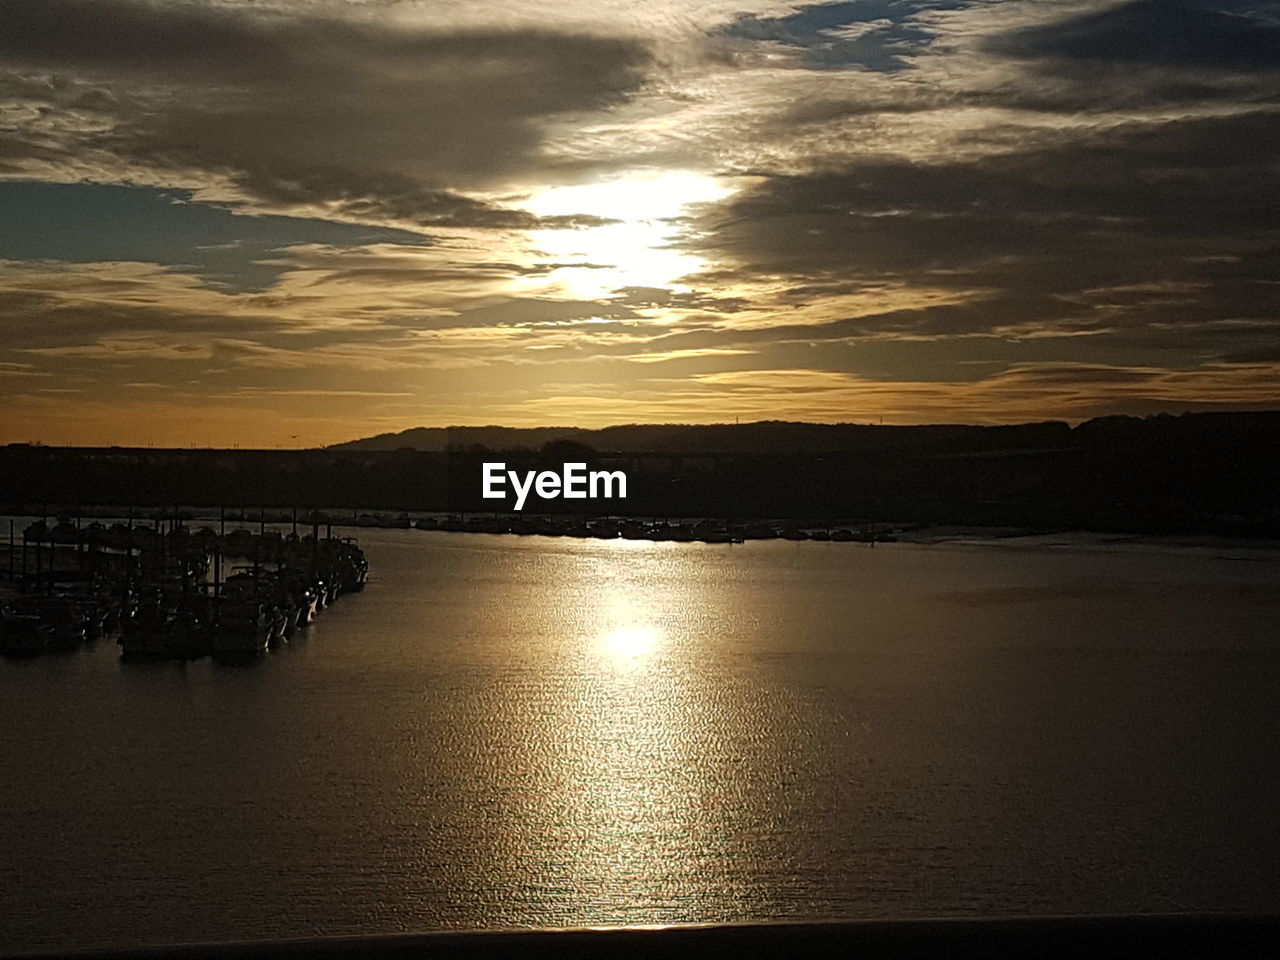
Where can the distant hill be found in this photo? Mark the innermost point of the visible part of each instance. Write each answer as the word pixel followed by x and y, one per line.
pixel 1194 473
pixel 438 439
pixel 786 437
pixel 767 436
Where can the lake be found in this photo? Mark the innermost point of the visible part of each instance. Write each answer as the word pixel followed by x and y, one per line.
pixel 507 731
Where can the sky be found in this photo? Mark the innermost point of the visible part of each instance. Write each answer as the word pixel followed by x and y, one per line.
pixel 296 222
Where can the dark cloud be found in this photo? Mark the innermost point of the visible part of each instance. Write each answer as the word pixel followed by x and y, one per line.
pixel 1266 353
pixel 1144 54
pixel 39 321
pixel 1078 374
pixel 1168 33
pixel 381 198
pixel 1163 182
pixel 1138 56
pixel 1146 227
pixel 381 122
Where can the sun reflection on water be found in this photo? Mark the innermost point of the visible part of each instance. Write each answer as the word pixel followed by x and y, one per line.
pixel 629 636
pixel 625 784
pixel 627 644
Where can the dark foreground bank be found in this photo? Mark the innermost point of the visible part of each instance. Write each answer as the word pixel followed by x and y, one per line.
pixel 1139 936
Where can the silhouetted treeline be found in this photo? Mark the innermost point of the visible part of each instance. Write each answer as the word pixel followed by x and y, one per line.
pixel 766 436
pixel 1206 473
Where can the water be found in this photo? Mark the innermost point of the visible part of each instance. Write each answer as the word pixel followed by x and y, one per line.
pixel 526 731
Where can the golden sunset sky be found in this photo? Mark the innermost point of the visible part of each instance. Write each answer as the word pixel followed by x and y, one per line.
pixel 297 222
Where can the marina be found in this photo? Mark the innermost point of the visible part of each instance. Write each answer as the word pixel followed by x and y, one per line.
pixel 181 583
pixel 167 585
pixel 170 590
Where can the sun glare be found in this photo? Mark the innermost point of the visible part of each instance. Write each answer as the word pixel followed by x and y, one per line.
pixel 629 634
pixel 630 643
pixel 636 249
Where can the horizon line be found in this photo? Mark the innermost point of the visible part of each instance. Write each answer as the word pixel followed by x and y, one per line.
pixel 279 448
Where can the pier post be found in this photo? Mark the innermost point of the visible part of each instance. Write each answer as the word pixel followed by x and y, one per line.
pixel 44 524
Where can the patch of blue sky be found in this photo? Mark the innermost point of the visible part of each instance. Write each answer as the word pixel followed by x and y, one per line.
pixel 89 223
pixel 877 35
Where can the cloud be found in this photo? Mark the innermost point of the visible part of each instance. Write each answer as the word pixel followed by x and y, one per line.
pixel 1138 226
pixel 940 210
pixel 689 300
pixel 1144 54
pixel 1165 33
pixel 1017 395
pixel 534 311
pixel 364 119
pixel 11 369
pixel 997 76
pixel 663 356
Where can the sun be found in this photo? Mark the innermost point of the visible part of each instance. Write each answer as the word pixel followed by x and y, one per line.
pixel 636 249
pixel 632 199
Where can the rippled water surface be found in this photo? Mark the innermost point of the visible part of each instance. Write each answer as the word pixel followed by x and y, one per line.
pixel 529 731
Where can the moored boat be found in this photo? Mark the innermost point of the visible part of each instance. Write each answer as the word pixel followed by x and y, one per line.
pixel 61 615
pixel 23 635
pixel 242 627
pixel 169 637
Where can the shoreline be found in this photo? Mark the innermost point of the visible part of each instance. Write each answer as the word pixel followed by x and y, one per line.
pixel 682 530
pixel 1085 540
